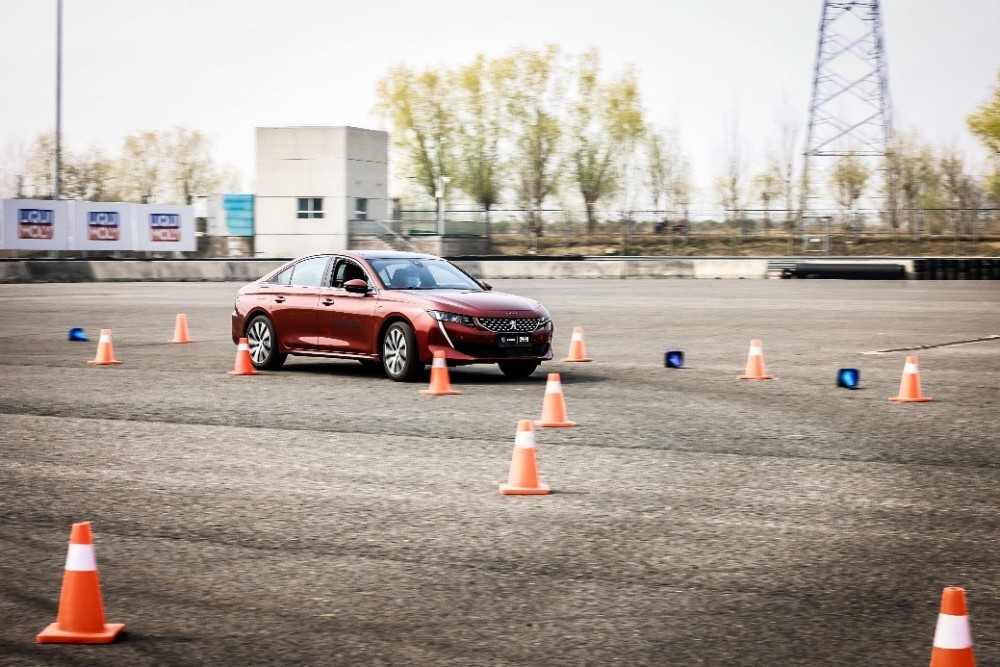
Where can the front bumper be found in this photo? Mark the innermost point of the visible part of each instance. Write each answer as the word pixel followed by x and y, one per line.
pixel 471 345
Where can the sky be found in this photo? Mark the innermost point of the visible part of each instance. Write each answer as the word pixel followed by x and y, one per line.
pixel 225 67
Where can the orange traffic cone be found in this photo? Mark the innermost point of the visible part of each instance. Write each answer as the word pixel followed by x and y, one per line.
pixel 909 386
pixel 440 384
pixel 243 364
pixel 554 406
pixel 953 636
pixel 105 353
pixel 181 330
pixel 523 477
pixel 755 364
pixel 577 349
pixel 81 611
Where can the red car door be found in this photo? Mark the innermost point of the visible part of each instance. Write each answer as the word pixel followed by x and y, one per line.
pixel 295 315
pixel 347 320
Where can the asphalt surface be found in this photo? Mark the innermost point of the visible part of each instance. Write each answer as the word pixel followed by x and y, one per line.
pixel 322 515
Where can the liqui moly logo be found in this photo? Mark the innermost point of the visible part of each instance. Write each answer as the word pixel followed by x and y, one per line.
pixel 35 223
pixel 164 227
pixel 103 226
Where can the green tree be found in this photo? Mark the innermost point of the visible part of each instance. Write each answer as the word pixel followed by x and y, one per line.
pixel 911 180
pixel 420 109
pixel 536 105
pixel 606 124
pixel 482 115
pixel 985 124
pixel 848 180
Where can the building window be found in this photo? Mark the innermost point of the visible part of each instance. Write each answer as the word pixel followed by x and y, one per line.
pixel 360 209
pixel 310 207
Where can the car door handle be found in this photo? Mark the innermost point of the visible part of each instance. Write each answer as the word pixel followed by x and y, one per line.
pixel 279 299
pixel 327 302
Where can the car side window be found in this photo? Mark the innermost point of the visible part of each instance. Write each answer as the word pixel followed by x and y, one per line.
pixel 347 270
pixel 309 272
pixel 283 278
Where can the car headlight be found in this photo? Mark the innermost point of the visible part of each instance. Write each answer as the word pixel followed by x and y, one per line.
pixel 441 316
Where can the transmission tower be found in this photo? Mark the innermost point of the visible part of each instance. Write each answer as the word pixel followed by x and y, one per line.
pixel 850 112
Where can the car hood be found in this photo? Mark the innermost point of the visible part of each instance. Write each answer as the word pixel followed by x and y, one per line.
pixel 494 303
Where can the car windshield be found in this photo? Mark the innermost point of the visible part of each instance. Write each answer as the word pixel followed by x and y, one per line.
pixel 406 273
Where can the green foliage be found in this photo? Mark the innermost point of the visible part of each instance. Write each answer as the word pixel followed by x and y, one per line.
pixel 517 127
pixel 848 180
pixel 985 124
pixel 606 124
pixel 419 106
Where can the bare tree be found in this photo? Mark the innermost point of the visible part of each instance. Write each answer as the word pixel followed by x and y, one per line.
pixel 730 186
pixel 192 170
pixel 141 167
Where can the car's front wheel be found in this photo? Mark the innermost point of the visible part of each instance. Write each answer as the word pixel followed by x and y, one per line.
pixel 400 357
pixel 263 343
pixel 517 369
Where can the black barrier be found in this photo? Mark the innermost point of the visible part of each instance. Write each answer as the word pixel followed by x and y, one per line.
pixel 859 271
pixel 938 268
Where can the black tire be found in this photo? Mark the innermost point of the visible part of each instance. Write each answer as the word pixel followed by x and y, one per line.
pixel 400 357
pixel 264 354
pixel 517 369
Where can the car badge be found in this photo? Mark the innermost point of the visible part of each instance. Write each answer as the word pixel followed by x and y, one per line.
pixel 513 324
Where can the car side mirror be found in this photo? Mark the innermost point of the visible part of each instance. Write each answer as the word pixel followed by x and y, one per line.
pixel 356 286
pixel 486 285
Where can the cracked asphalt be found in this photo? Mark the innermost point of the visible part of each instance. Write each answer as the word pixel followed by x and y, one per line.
pixel 322 515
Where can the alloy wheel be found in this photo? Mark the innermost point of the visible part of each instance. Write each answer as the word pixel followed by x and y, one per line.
pixel 395 351
pixel 259 339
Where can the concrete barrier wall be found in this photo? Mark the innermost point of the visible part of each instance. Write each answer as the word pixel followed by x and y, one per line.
pixel 82 271
pixel 41 271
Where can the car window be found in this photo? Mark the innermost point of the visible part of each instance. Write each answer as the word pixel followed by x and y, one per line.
pixel 413 273
pixel 347 270
pixel 283 278
pixel 309 272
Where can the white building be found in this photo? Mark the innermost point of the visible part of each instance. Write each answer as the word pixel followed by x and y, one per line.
pixel 311 181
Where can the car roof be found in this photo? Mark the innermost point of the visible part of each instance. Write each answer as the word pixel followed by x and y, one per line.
pixel 386 254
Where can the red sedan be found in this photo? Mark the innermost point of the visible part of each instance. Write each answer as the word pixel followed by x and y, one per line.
pixel 389 309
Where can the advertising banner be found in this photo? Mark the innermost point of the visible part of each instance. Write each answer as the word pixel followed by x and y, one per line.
pixel 164 228
pixel 102 226
pixel 40 224
pixel 35 224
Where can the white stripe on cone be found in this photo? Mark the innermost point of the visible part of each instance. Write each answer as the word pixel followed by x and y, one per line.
pixel 525 439
pixel 105 338
pixel 81 558
pixel 756 351
pixel 553 387
pixel 439 362
pixel 242 347
pixel 953 632
pixel 577 336
pixel 910 369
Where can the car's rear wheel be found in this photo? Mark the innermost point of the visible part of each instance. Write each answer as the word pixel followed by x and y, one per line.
pixel 263 343
pixel 517 369
pixel 400 357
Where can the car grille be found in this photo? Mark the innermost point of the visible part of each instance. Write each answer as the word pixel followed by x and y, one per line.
pixel 503 324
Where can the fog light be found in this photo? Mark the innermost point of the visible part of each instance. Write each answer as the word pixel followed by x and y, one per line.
pixel 673 359
pixel 848 378
pixel 76 333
